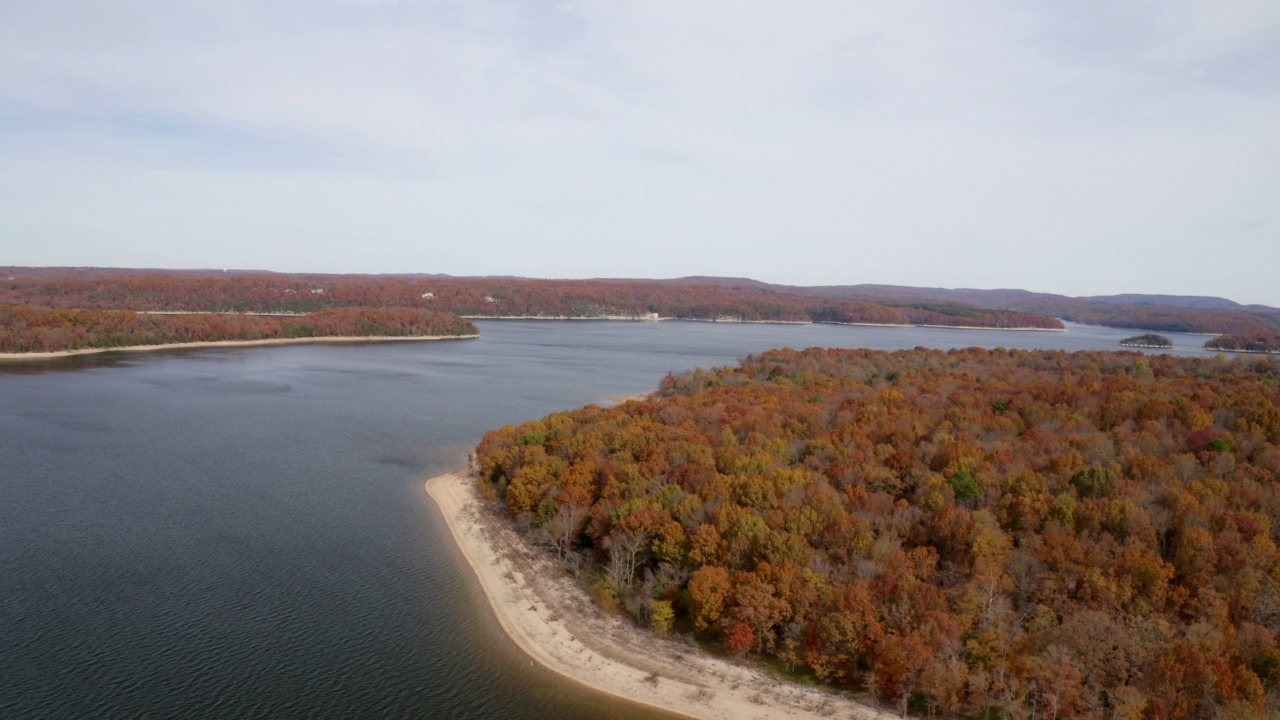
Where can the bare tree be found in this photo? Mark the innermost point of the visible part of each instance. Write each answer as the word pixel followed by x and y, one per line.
pixel 625 548
pixel 564 527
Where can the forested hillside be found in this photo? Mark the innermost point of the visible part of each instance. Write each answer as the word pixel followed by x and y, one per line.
pixel 969 533
pixel 696 299
pixel 702 298
pixel 35 329
pixel 1163 313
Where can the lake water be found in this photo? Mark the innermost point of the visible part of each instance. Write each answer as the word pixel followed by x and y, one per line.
pixel 242 532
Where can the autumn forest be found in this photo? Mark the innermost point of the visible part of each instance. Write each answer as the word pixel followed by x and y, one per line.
pixel 709 299
pixel 694 299
pixel 970 533
pixel 27 329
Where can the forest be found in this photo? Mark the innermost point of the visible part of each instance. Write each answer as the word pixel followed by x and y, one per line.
pixel 24 328
pixel 1262 342
pixel 965 533
pixel 1161 313
pixel 701 298
pixel 1168 319
pixel 693 299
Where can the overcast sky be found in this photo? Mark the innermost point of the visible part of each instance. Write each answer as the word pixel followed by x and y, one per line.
pixel 1073 147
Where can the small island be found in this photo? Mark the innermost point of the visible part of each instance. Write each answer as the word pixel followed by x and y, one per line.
pixel 1149 340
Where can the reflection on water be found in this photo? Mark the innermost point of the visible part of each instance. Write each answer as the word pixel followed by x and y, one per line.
pixel 241 532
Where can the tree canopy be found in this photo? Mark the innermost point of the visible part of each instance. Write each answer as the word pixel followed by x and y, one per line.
pixel 694 299
pixel 35 329
pixel 1260 342
pixel 1147 340
pixel 963 533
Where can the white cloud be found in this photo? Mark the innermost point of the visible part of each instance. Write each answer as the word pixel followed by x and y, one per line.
pixel 960 144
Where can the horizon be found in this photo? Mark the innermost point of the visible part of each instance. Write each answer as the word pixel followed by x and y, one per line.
pixel 692 278
pixel 1079 150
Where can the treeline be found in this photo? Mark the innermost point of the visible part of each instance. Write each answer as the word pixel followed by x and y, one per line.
pixel 1169 319
pixel 970 533
pixel 691 298
pixel 24 328
pixel 488 297
pixel 952 315
pixel 1153 312
pixel 1263 342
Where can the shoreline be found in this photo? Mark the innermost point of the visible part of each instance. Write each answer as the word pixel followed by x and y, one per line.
pixel 614 318
pixel 620 399
pixel 737 321
pixel 983 327
pixel 1238 350
pixel 942 327
pixel 551 619
pixel 19 357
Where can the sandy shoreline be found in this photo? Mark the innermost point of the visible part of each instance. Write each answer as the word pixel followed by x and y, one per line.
pixel 551 619
pixel 615 318
pixel 738 321
pixel 941 327
pixel 228 343
pixel 620 399
pixel 1237 350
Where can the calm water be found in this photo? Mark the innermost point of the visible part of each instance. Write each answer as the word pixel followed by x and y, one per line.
pixel 243 532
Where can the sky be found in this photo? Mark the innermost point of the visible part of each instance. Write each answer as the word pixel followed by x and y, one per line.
pixel 1082 147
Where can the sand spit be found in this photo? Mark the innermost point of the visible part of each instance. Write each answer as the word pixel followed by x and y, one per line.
pixel 553 621
pixel 228 343
pixel 739 321
pixel 984 327
pixel 620 399
pixel 614 318
pixel 942 327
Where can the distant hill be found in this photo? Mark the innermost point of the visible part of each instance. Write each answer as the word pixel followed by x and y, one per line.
pixel 1199 302
pixel 1168 313
pixel 695 297
pixel 712 299
pixel 731 282
pixel 1007 297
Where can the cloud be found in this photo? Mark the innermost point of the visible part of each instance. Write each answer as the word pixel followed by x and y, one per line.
pixel 1053 146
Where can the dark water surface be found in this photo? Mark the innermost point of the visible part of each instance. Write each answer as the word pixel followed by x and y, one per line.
pixel 242 532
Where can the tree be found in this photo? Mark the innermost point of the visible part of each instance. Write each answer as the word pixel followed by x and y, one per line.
pixel 709 589
pixel 624 548
pixel 565 526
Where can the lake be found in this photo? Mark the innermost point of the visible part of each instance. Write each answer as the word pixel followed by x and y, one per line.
pixel 242 532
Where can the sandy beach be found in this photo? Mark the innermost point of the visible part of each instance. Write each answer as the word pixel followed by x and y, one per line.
pixel 739 321
pixel 553 621
pixel 942 327
pixel 228 343
pixel 620 399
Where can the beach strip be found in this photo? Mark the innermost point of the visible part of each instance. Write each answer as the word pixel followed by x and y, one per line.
pixel 551 619
pixel 231 343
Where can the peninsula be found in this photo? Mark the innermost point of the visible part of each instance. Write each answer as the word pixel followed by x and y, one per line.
pixel 319 340
pixel 28 333
pixel 1260 342
pixel 553 621
pixel 961 533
